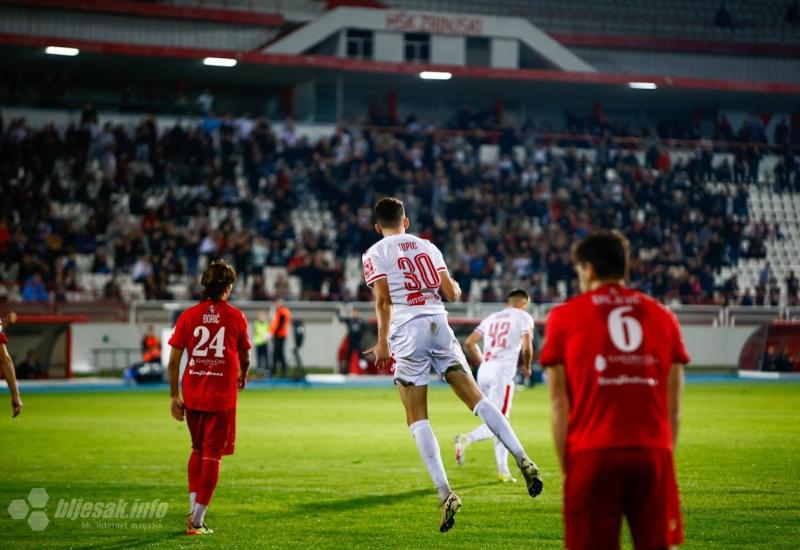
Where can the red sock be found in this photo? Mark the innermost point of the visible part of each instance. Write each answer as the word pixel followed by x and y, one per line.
pixel 209 476
pixel 195 465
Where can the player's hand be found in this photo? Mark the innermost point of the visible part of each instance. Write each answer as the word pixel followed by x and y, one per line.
pixel 381 353
pixel 526 373
pixel 10 319
pixel 177 409
pixel 16 406
pixel 241 381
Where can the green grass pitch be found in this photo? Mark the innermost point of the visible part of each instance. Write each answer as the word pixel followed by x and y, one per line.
pixel 336 468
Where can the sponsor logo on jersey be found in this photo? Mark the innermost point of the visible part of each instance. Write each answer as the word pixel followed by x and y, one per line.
pixel 416 299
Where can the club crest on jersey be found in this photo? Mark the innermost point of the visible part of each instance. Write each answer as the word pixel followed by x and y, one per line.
pixel 369 269
pixel 416 299
pixel 600 363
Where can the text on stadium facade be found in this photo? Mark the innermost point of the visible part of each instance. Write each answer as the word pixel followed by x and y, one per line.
pixel 433 23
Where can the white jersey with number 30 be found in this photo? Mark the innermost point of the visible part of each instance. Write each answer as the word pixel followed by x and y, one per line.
pixel 411 267
pixel 502 339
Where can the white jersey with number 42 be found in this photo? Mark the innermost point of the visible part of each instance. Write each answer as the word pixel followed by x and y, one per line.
pixel 502 339
pixel 411 267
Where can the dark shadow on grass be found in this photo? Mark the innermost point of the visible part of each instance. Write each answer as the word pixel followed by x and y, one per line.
pixel 367 501
pixel 139 539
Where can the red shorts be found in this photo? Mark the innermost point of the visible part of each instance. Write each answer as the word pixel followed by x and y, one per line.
pixel 213 432
pixel 602 486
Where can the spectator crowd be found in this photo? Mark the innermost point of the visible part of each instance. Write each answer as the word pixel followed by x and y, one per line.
pixel 151 204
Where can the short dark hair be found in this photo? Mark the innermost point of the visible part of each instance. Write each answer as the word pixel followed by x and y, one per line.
pixel 389 212
pixel 607 250
pixel 218 276
pixel 517 293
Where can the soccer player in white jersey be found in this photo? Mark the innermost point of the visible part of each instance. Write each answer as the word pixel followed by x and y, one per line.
pixel 504 335
pixel 407 274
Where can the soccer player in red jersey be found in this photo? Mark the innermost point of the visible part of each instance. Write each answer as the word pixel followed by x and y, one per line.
pixel 7 370
pixel 615 359
pixel 214 334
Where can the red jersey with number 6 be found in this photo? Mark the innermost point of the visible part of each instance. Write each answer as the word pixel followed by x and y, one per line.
pixel 213 334
pixel 617 346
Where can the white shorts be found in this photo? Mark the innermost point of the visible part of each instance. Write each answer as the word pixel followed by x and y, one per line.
pixel 497 387
pixel 421 343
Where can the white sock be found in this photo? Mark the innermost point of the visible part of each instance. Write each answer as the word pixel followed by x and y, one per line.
pixel 192 499
pixel 500 427
pixel 429 451
pixel 501 456
pixel 479 434
pixel 199 514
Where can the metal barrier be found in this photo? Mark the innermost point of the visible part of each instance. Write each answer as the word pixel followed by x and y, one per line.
pixel 155 312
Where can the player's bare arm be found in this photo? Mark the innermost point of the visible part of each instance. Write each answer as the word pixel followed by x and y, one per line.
pixel 449 288
pixel 674 394
pixel 174 367
pixel 472 349
pixel 383 311
pixel 7 367
pixel 527 354
pixel 244 366
pixel 556 381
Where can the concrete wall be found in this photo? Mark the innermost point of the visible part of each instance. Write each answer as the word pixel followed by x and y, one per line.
pixel 707 345
pixel 448 49
pixel 387 46
pixel 504 53
pixel 713 346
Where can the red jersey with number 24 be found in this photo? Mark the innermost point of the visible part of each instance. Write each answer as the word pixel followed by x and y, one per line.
pixel 617 346
pixel 213 334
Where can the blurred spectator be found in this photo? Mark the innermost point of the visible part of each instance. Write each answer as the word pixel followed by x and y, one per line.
pixel 792 289
pixel 142 269
pixel 29 367
pixel 355 334
pixel 722 17
pixel 261 338
pixel 281 322
pixel 792 13
pixel 151 346
pixel 206 101
pixel 112 290
pixel 782 362
pixel 258 290
pixel 34 289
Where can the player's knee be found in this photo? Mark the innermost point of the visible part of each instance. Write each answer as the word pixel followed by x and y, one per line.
pixel 212 454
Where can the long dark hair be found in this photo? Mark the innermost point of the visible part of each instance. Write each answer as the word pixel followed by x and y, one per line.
pixel 218 276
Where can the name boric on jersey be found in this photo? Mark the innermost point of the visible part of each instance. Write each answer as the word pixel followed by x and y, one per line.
pixel 212 318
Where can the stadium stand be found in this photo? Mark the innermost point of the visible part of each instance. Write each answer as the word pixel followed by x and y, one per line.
pixel 764 21
pixel 127 213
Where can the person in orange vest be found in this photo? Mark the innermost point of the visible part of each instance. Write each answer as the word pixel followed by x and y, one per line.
pixel 151 346
pixel 279 329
